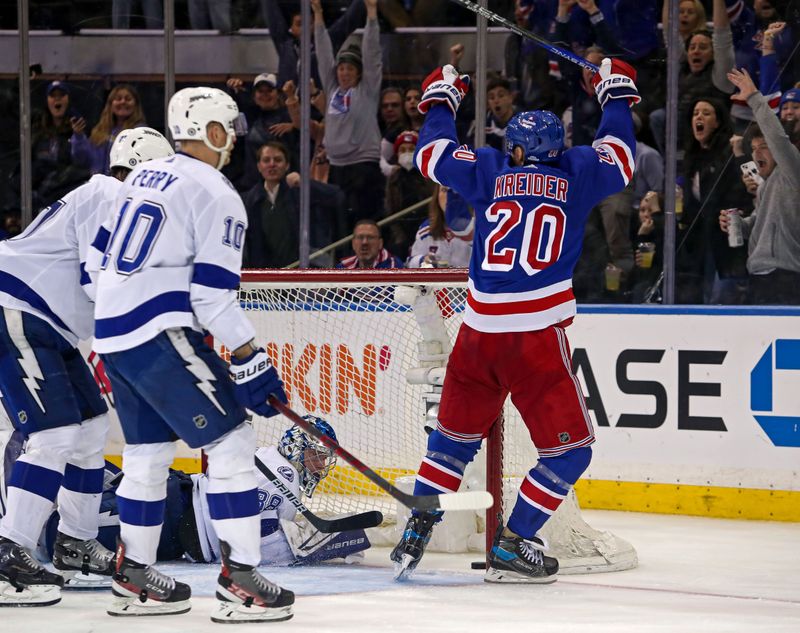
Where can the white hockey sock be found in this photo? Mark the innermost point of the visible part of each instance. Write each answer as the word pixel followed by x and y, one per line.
pixel 243 535
pixel 79 502
pixel 232 494
pixel 141 498
pixel 31 493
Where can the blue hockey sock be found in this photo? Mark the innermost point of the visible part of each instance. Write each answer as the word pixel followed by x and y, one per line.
pixel 544 488
pixel 443 465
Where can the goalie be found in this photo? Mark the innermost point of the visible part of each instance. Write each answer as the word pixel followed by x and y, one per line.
pixel 299 461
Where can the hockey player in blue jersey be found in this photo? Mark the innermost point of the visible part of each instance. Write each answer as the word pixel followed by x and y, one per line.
pixel 48 390
pixel 170 271
pixel 531 203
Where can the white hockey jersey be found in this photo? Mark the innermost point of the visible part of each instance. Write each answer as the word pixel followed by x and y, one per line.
pixel 173 258
pixel 274 506
pixel 42 270
pixel 448 252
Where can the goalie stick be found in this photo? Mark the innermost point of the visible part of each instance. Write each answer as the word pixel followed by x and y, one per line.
pixel 355 522
pixel 548 46
pixel 470 500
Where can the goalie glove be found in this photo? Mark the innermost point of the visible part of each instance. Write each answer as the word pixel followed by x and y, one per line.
pixel 615 79
pixel 255 379
pixel 443 85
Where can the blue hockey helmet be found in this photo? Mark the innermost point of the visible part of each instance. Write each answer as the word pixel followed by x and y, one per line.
pixel 312 460
pixel 539 133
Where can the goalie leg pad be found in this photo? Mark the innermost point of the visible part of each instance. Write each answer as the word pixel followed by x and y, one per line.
pixel 310 546
pixel 545 487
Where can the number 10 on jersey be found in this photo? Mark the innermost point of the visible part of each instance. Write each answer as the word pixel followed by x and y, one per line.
pixel 140 235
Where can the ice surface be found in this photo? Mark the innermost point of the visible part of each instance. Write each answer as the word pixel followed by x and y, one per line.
pixel 695 576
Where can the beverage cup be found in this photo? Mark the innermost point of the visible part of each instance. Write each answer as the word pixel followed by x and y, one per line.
pixel 646 252
pixel 613 274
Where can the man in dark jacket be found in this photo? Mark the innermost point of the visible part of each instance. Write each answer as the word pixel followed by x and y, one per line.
pixel 273 211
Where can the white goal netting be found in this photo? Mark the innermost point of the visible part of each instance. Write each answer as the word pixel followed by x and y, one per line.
pixel 366 351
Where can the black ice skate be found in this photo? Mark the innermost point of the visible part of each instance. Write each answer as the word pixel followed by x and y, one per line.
pixel 84 564
pixel 23 581
pixel 514 559
pixel 408 552
pixel 246 596
pixel 143 590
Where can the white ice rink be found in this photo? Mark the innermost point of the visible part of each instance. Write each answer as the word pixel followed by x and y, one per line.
pixel 694 576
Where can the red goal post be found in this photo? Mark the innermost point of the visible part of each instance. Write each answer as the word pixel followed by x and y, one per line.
pixel 366 350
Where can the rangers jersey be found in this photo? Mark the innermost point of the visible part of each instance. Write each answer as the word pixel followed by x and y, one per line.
pixel 43 269
pixel 448 252
pixel 529 220
pixel 172 257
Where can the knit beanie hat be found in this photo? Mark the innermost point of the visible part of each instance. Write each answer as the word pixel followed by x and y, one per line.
pixel 790 95
pixel 409 136
pixel 350 55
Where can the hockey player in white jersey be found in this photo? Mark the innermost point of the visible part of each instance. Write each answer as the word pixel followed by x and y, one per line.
pixel 48 390
pixel 171 271
pixel 297 465
pixel 300 463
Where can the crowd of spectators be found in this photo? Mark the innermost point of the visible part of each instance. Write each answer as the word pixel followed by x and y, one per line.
pixel 738 119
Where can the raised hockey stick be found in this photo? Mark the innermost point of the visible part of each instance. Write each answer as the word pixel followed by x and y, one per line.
pixel 355 522
pixel 548 46
pixel 470 500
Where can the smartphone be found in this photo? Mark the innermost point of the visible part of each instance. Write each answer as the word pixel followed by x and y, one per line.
pixel 750 169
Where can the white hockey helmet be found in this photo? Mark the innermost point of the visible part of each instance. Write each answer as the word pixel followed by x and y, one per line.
pixel 138 145
pixel 192 109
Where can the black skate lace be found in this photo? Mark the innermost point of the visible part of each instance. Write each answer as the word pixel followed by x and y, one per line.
pixel 531 552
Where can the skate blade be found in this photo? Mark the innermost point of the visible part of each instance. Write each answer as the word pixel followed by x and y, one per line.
pixel 232 612
pixel 78 581
pixel 131 607
pixel 405 568
pixel 510 577
pixel 35 596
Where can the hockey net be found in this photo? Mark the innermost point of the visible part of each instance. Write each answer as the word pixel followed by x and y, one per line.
pixel 366 351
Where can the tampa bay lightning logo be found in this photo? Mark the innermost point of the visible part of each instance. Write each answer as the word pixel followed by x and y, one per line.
pixel 286 472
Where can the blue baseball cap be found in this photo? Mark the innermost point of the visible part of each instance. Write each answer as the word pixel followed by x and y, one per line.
pixel 57 85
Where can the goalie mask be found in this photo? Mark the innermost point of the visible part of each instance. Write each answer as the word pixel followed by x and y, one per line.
pixel 310 457
pixel 138 145
pixel 539 133
pixel 192 109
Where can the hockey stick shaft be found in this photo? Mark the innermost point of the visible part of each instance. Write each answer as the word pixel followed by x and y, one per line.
pixel 548 46
pixel 355 522
pixel 471 500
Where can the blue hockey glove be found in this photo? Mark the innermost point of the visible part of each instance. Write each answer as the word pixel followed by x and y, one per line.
pixel 255 379
pixel 615 79
pixel 443 85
